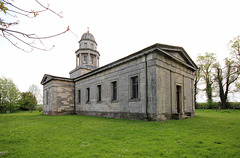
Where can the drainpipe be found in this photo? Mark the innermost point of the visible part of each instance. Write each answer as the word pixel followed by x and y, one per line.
pixel 146 87
pixel 74 98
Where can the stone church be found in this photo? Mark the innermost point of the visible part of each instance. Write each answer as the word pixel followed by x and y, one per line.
pixel 155 83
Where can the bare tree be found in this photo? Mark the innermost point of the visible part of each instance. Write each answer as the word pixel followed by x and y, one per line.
pixel 17 37
pixel 36 92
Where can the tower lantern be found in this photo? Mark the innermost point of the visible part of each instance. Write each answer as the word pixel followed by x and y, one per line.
pixel 87 56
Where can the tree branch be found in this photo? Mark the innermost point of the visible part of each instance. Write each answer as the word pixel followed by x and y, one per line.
pixel 28 44
pixel 8 33
pixel 31 36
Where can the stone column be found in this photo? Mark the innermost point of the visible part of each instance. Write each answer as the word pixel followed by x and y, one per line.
pixel 97 61
pixel 88 59
pixel 76 60
pixel 80 59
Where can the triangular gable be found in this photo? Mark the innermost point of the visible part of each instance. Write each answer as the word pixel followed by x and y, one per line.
pixel 46 78
pixel 178 53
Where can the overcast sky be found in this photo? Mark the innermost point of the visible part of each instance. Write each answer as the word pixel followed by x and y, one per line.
pixel 120 28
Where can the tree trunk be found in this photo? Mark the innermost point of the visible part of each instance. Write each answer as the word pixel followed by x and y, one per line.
pixel 209 93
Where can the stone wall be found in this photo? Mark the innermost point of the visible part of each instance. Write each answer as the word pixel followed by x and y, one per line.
pixel 163 74
pixel 171 74
pixel 58 97
pixel 124 106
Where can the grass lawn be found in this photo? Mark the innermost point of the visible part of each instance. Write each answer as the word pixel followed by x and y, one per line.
pixel 209 134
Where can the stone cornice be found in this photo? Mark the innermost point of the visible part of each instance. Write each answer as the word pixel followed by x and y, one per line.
pixel 87 49
pixel 83 66
pixel 87 40
pixel 47 78
pixel 159 48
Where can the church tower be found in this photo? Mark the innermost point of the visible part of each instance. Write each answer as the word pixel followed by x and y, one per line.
pixel 87 56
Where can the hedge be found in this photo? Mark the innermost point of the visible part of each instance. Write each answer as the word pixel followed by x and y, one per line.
pixel 215 105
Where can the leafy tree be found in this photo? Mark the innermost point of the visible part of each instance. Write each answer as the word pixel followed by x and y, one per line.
pixel 235 52
pixel 235 49
pixel 36 92
pixel 197 79
pixel 206 65
pixel 28 101
pixel 9 95
pixel 16 37
pixel 225 77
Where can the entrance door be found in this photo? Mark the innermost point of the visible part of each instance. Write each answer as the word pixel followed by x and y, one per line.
pixel 178 98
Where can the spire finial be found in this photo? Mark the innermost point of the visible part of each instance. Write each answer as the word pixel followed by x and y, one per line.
pixel 88 29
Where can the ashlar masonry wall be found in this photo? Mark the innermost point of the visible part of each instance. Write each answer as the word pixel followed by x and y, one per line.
pixel 58 97
pixel 124 106
pixel 172 75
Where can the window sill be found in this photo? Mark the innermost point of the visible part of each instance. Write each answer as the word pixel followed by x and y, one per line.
pixel 135 100
pixel 114 101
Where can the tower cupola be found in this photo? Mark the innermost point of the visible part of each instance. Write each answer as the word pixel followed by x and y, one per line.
pixel 87 56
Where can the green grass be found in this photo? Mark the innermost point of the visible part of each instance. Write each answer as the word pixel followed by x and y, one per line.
pixel 209 134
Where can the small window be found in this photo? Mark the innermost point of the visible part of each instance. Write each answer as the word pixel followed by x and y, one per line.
pixel 114 90
pixel 85 59
pixel 99 97
pixel 88 95
pixel 134 87
pixel 85 45
pixel 79 96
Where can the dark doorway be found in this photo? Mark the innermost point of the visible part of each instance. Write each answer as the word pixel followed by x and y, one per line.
pixel 178 98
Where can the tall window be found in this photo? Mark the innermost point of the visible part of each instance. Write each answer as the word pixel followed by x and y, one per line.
pixel 114 90
pixel 79 96
pixel 47 96
pixel 134 87
pixel 88 95
pixel 92 58
pixel 99 87
pixel 85 59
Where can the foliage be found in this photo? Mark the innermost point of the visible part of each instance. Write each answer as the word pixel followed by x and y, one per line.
pixel 9 95
pixel 235 48
pixel 235 52
pixel 10 18
pixel 206 65
pixel 216 105
pixel 197 79
pixel 225 77
pixel 36 92
pixel 209 134
pixel 28 101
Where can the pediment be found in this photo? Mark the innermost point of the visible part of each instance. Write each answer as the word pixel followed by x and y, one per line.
pixel 46 78
pixel 178 53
